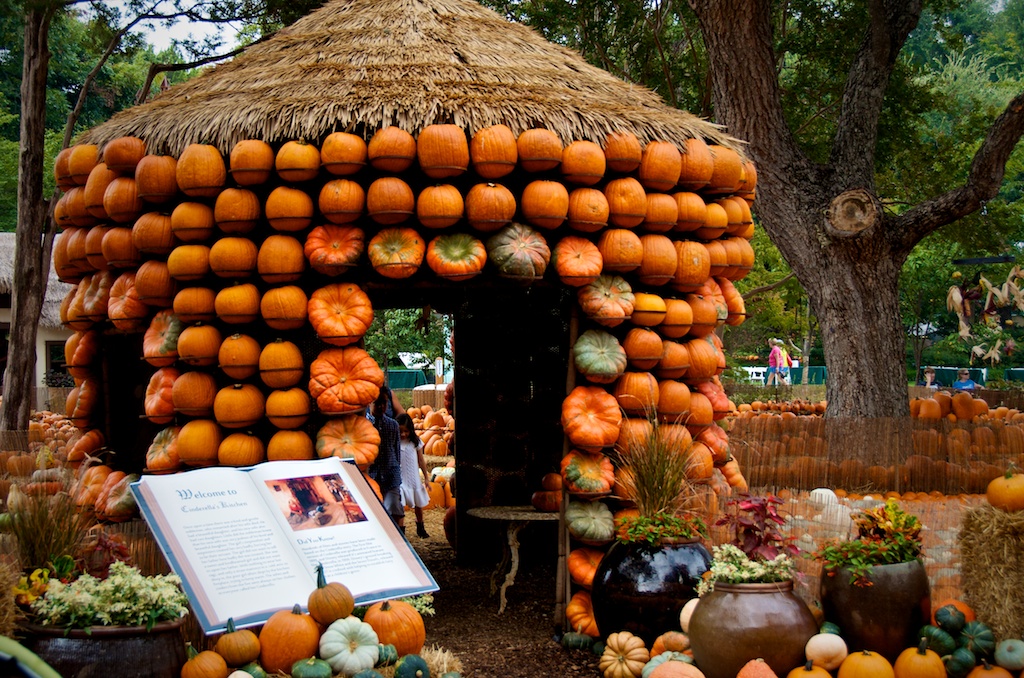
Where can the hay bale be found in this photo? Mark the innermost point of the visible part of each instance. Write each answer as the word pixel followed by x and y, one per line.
pixel 992 567
pixel 439 661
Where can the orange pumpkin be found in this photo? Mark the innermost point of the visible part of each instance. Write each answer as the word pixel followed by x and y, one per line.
pixel 342 201
pixel 192 394
pixel 493 151
pixel 154 284
pixel 489 207
pixel 351 437
pixel 456 256
pixel 442 151
pixel 238 304
pixel 233 257
pixel 240 449
pixel 396 252
pixel 281 364
pixel 156 178
pixel 124 308
pixel 696 165
pixel 332 250
pixel 391 150
pixel 397 623
pixel 287 637
pixel 340 313
pixel 591 418
pixel 152 233
pixel 544 204
pixel 236 210
pixel 290 445
pixel 389 200
pixel 608 300
pixel 284 308
pixel 637 393
pixel 297 161
pixel 582 564
pixel 188 262
pixel 588 210
pixel 342 154
pixel 439 206
pixel 621 249
pixel 198 345
pixel 124 153
pixel 200 171
pixel 579 612
pixel 238 356
pixel 662 213
pixel 577 261
pixel 192 221
pixel 162 454
pixel 622 151
pixel 288 408
pixel 583 162
pixel 198 442
pixel 87 446
pixel 195 304
pixel 159 404
pixel 280 259
pixel 344 380
pixel 251 161
pixel 627 202
pixel 660 166
pixel 160 343
pixel 80 351
pixel 539 150
pixel 238 406
pixel 121 202
pixel 288 209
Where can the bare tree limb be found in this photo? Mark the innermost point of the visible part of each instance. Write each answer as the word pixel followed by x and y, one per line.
pixel 155 69
pixel 750 294
pixel 986 175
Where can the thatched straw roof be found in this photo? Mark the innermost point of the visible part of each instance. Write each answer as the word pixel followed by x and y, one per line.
pixel 55 289
pixel 359 65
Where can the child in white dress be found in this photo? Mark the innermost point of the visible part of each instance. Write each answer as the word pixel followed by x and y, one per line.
pixel 414 489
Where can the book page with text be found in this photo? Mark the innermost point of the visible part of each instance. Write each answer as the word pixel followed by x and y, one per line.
pixel 333 517
pixel 217 533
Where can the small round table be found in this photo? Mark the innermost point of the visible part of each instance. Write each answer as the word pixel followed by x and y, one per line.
pixel 517 518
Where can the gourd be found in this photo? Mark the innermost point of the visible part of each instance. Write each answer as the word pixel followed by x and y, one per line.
pixel 238 646
pixel 938 640
pixel 587 473
pixel 624 656
pixel 287 637
pixel 960 662
pixel 919 662
pixel 412 666
pixel 756 668
pixel 387 655
pixel 599 356
pixel 311 668
pixel 826 650
pixel 978 638
pixel 349 646
pixel 574 640
pixel 329 602
pixel 950 619
pixel 865 664
pixel 590 522
pixel 666 657
pixel 397 623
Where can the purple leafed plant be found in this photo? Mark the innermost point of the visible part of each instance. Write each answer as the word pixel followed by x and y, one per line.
pixel 755 524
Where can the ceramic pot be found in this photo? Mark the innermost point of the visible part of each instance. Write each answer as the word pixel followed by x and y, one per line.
pixel 110 650
pixel 883 617
pixel 739 622
pixel 642 589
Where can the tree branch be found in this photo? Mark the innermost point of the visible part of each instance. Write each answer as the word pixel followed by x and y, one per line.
pixel 154 69
pixel 757 291
pixel 986 175
pixel 853 149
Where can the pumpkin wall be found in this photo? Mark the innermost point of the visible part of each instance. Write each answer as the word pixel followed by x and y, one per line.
pixel 240 287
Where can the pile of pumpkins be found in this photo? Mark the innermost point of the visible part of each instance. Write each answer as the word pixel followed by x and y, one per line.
pixel 435 429
pixel 327 641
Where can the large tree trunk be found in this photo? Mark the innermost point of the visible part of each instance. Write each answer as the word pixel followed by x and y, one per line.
pixel 30 267
pixel 826 219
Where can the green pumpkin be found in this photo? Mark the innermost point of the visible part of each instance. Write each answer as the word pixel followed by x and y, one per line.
pixel 939 641
pixel 412 666
pixel 599 357
pixel 576 641
pixel 519 251
pixel 386 655
pixel 961 662
pixel 590 521
pixel 368 673
pixel 598 647
pixel 660 659
pixel 978 638
pixel 254 670
pixel 950 619
pixel 451 674
pixel 311 668
pixel 830 627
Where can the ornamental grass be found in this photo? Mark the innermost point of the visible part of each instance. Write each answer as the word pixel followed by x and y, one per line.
pixel 46 526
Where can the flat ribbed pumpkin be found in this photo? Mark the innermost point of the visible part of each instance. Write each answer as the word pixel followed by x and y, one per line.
pixel 591 418
pixel 456 256
pixel 587 472
pixel 159 405
pixel 599 357
pixel 340 313
pixel 519 251
pixel 577 261
pixel 396 252
pixel 160 343
pixel 124 308
pixel 351 437
pixel 608 300
pixel 344 380
pixel 332 249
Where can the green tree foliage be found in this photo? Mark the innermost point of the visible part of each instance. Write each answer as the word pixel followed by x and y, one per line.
pixel 409 330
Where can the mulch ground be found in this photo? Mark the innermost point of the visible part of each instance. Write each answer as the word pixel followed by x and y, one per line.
pixel 519 642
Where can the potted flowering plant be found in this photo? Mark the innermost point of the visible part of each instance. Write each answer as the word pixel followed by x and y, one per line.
pixel 747 595
pixel 874 586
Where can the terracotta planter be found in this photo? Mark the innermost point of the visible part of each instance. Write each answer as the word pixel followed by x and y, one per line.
pixel 739 622
pixel 110 650
pixel 642 589
pixel 885 616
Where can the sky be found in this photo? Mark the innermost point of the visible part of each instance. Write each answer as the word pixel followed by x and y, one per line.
pixel 160 36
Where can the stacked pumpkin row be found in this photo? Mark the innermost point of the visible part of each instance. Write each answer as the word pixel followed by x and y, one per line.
pixel 435 428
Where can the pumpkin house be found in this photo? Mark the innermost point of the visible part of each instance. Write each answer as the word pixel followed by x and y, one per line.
pixel 400 153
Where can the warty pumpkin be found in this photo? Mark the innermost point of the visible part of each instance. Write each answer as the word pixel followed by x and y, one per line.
pixel 397 623
pixel 442 151
pixel 456 256
pixel 396 252
pixel 493 151
pixel 349 437
pixel 577 261
pixel 251 162
pixel 340 313
pixel 200 171
pixel 238 406
pixel 519 251
pixel 288 209
pixel 236 210
pixel 591 418
pixel 344 380
pixel 489 206
pixel 332 249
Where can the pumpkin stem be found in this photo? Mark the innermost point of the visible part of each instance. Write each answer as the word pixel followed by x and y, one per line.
pixel 190 651
pixel 809 666
pixel 386 605
pixel 297 609
pixel 922 647
pixel 321 580
pixel 230 626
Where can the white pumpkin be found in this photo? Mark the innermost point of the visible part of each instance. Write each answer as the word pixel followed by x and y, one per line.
pixel 239 673
pixel 686 613
pixel 827 650
pixel 1010 654
pixel 350 645
pixel 822 496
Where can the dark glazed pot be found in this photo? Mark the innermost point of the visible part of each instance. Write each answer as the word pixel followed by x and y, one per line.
pixel 739 622
pixel 642 589
pixel 110 650
pixel 884 617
